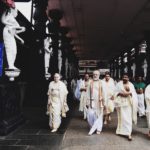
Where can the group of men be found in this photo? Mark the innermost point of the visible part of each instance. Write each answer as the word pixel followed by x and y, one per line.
pixel 98 99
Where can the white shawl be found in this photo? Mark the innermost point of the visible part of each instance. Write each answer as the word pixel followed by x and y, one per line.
pixel 63 95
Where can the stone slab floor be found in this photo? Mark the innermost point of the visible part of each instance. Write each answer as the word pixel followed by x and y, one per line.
pixel 72 135
pixel 34 134
pixel 76 137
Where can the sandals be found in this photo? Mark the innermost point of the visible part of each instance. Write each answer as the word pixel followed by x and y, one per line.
pixel 129 138
pixel 98 132
pixel 54 130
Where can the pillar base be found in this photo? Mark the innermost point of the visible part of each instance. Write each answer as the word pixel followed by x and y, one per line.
pixel 7 126
pixel 12 73
pixel 11 100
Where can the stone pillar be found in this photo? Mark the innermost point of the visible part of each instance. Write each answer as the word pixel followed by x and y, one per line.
pixel 54 28
pixel 129 64
pixel 110 67
pixel 113 68
pixel 1 58
pixel 54 58
pixel 117 67
pixel 63 62
pixel 40 18
pixel 121 65
pixel 11 100
pixel 64 31
pixel 139 59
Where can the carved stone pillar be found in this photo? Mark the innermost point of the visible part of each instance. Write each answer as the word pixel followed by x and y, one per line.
pixel 113 68
pixel 54 28
pixel 54 58
pixel 63 32
pixel 139 62
pixel 121 65
pixel 1 58
pixel 117 68
pixel 129 64
pixel 40 18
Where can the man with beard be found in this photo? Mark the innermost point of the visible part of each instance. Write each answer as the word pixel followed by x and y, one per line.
pixel 126 103
pixel 96 104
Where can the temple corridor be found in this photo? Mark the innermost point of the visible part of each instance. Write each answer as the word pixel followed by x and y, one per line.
pixel 39 38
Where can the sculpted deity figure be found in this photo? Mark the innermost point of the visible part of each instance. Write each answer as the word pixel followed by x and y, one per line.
pixel 144 66
pixel 48 52
pixel 59 57
pixel 133 69
pixel 11 29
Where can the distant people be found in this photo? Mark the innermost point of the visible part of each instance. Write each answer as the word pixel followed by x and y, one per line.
pixel 77 91
pixel 83 98
pixel 110 91
pixel 126 103
pixel 73 87
pixel 57 102
pixel 96 104
pixel 140 87
pixel 117 80
pixel 132 80
pixel 147 99
pixel 63 79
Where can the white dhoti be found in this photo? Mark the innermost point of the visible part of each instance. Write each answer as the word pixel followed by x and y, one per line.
pixel 124 126
pixel 141 106
pixel 110 106
pixel 84 97
pixel 95 122
pixel 110 89
pixel 55 113
pixel 83 103
pixel 126 109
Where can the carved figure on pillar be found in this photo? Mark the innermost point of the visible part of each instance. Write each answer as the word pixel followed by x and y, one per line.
pixel 125 69
pixel 133 68
pixel 144 66
pixel 48 53
pixel 59 57
pixel 11 29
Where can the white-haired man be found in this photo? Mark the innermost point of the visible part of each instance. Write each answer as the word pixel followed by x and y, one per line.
pixel 57 102
pixel 96 103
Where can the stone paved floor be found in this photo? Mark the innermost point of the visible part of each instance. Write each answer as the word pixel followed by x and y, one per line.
pixel 34 134
pixel 76 137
